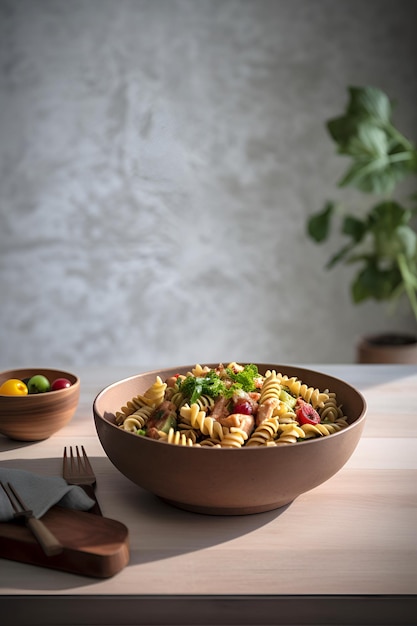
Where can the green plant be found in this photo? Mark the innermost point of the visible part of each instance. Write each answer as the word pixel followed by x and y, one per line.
pixel 383 242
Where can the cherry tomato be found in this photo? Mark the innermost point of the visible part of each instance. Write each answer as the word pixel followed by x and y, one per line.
pixel 305 413
pixel 243 407
pixel 60 383
pixel 13 387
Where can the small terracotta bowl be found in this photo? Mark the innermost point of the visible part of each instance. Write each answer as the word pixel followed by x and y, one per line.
pixel 37 416
pixel 224 481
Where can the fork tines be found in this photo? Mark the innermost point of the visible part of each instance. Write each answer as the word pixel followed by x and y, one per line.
pixel 77 470
pixel 77 465
pixel 81 460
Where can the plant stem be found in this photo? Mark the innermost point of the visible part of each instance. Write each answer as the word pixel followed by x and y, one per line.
pixel 399 156
pixel 399 137
pixel 409 282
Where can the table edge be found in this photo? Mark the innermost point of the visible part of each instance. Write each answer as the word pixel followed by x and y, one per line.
pixel 219 610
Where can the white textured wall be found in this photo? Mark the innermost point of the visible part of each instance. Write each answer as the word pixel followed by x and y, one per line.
pixel 158 160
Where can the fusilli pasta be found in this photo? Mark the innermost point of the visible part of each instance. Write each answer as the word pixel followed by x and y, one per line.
pixel 232 406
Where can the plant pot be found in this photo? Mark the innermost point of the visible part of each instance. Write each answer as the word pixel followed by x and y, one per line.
pixel 388 348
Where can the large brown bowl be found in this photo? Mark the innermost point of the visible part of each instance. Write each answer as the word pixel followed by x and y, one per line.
pixel 37 416
pixel 224 481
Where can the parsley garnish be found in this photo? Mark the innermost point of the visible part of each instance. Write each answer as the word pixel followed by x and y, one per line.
pixel 192 387
pixel 245 379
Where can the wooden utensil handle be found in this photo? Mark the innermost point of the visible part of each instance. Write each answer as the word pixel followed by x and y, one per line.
pixel 49 543
pixel 89 490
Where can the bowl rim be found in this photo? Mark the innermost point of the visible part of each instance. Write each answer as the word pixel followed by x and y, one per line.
pixel 159 371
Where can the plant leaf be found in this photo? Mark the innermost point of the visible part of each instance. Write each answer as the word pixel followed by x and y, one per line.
pixel 366 105
pixel 369 102
pixel 381 155
pixel 368 142
pixel 387 216
pixel 388 221
pixel 341 130
pixel 355 228
pixel 378 176
pixel 318 225
pixel 376 283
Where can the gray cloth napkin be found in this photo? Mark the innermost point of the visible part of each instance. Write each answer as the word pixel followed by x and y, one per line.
pixel 40 493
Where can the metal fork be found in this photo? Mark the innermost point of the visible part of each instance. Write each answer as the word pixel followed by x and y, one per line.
pixel 77 470
pixel 47 540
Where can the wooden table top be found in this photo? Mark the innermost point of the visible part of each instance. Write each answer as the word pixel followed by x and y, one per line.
pixel 347 550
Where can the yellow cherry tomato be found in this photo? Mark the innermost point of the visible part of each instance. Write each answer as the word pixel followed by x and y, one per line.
pixel 13 387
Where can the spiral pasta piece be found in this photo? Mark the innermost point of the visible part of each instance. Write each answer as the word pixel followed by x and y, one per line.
pixel 312 395
pixel 234 438
pixel 199 370
pixel 198 419
pixel 337 425
pixel 186 430
pixel 288 418
pixel 143 414
pixel 205 402
pixel 328 428
pixel 210 443
pixel 271 388
pixel 285 415
pixel 178 399
pixel 155 394
pixel 131 406
pixel 132 425
pixel 264 433
pixel 330 410
pixel 343 421
pixel 235 367
pixel 289 433
pixel 310 431
pixel 176 437
pixel 322 429
pixel 152 397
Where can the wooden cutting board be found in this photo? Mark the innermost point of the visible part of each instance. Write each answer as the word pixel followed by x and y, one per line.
pixel 93 545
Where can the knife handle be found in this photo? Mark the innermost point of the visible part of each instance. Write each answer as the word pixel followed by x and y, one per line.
pixel 48 542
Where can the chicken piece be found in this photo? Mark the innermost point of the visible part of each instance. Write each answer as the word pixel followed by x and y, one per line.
pixel 266 409
pixel 230 421
pixel 239 420
pixel 220 408
pixel 247 423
